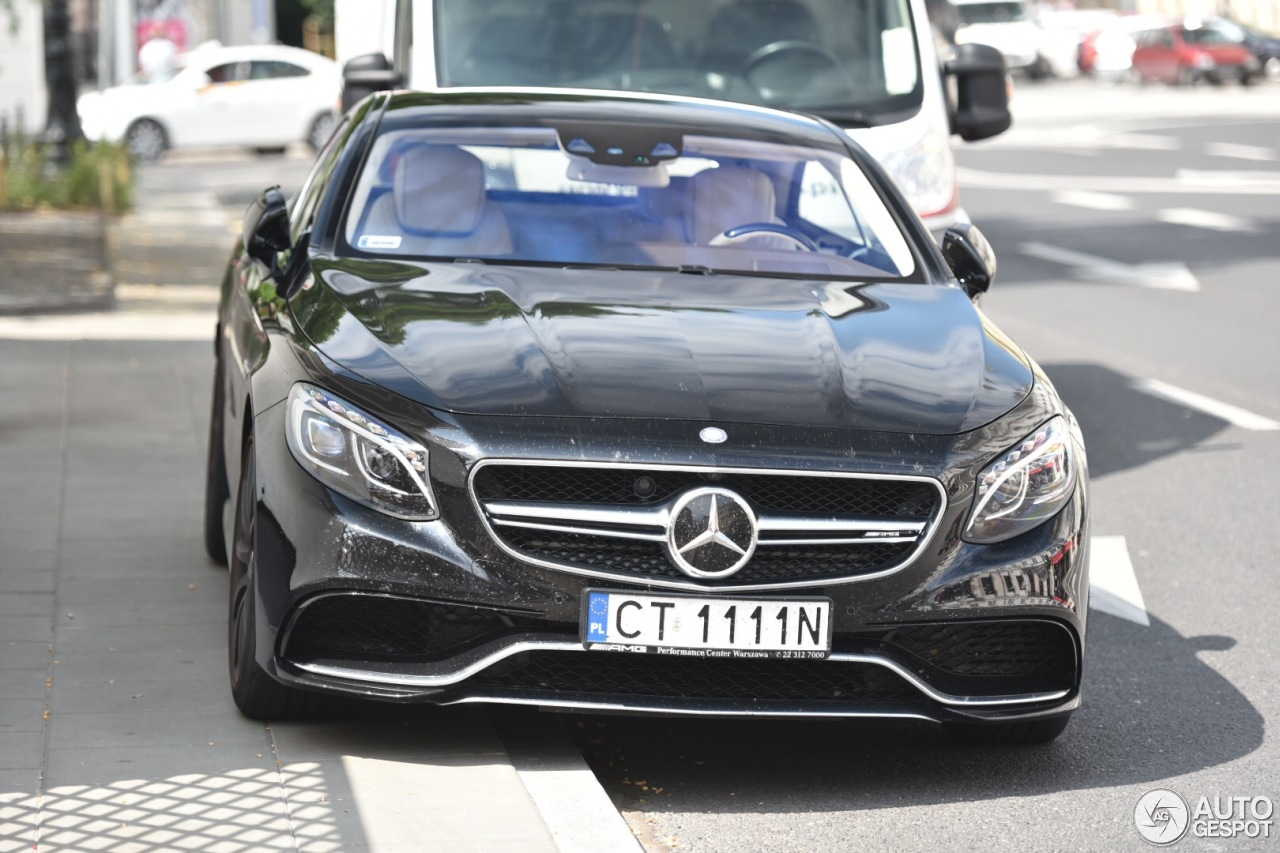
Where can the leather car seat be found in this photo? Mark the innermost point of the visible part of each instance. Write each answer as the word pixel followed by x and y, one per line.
pixel 438 206
pixel 720 199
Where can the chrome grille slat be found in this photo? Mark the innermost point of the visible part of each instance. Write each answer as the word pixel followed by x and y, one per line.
pixel 882 521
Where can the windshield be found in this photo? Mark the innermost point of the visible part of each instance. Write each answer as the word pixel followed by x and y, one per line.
pixel 622 196
pixel 853 61
pixel 991 13
pixel 153 77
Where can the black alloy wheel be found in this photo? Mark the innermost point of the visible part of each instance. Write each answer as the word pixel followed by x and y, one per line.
pixel 216 489
pixel 256 694
pixel 321 129
pixel 146 140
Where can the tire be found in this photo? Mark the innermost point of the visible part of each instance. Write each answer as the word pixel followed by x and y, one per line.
pixel 1247 78
pixel 322 127
pixel 216 489
pixel 256 694
pixel 1184 77
pixel 146 140
pixel 1025 733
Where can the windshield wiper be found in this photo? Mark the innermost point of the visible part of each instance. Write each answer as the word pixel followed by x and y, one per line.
pixel 695 269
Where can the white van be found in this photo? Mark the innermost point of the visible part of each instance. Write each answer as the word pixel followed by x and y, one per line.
pixel 869 66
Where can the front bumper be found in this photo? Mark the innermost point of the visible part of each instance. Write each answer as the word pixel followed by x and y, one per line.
pixel 352 601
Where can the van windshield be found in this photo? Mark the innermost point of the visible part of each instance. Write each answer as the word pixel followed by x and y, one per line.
pixel 852 61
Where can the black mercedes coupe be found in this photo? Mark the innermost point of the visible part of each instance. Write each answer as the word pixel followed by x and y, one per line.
pixel 634 403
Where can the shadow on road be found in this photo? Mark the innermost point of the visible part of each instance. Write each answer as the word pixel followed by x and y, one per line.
pixel 1124 427
pixel 1136 726
pixel 1150 242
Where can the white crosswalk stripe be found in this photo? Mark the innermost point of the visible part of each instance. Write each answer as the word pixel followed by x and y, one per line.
pixel 1240 152
pixel 1223 411
pixel 1113 587
pixel 1092 200
pixel 1195 218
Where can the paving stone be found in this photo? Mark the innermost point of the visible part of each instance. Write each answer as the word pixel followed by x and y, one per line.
pixel 20 750
pixel 21 715
pixel 26 629
pixel 237 810
pixel 94 766
pixel 15 603
pixel 26 580
pixel 171 727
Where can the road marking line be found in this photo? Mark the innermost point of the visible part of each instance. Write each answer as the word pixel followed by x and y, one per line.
pixel 1240 152
pixel 1186 182
pixel 1236 181
pixel 1222 411
pixel 1092 200
pixel 1194 218
pixel 114 326
pixel 1160 276
pixel 1113 587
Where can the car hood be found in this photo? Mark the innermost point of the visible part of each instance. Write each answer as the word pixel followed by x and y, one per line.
pixel 489 340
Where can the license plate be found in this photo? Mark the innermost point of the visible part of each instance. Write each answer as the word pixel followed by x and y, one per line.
pixel 698 626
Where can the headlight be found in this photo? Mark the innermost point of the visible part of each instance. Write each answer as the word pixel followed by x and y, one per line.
pixel 1025 486
pixel 925 173
pixel 358 455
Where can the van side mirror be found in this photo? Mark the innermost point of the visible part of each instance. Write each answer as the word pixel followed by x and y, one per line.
pixel 970 257
pixel 366 74
pixel 982 92
pixel 266 228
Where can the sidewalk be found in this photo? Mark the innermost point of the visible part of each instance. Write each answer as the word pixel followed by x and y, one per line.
pixel 117 730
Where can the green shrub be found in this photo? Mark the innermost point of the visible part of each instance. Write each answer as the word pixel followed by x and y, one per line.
pixel 98 176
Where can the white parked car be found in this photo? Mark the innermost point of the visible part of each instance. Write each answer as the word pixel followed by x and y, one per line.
pixel 261 96
pixel 1008 26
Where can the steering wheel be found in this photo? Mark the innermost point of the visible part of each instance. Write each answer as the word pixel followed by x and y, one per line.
pixel 751 230
pixel 774 49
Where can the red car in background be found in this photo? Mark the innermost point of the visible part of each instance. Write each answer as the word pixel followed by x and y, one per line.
pixel 1184 53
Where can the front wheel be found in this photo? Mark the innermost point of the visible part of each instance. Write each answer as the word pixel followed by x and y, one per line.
pixel 321 129
pixel 1024 733
pixel 256 694
pixel 146 140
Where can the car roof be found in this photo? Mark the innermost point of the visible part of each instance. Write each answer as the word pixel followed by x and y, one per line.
pixel 507 105
pixel 214 54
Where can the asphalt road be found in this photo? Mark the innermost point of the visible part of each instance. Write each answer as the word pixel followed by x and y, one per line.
pixel 1139 241
pixel 1138 233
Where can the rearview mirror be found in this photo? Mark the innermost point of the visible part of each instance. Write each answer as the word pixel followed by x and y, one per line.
pixel 982 92
pixel 366 74
pixel 970 257
pixel 266 228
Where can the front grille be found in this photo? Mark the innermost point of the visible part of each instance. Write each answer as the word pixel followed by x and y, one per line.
pixel 707 679
pixel 364 627
pixel 765 492
pixel 648 558
pixel 997 649
pixel 613 520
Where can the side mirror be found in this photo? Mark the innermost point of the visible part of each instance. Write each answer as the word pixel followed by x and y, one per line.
pixel 982 92
pixel 970 257
pixel 266 228
pixel 366 74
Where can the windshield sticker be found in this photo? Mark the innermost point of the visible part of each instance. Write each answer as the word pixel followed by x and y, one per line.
pixel 375 241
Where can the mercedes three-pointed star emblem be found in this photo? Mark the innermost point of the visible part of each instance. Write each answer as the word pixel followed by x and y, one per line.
pixel 712 533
